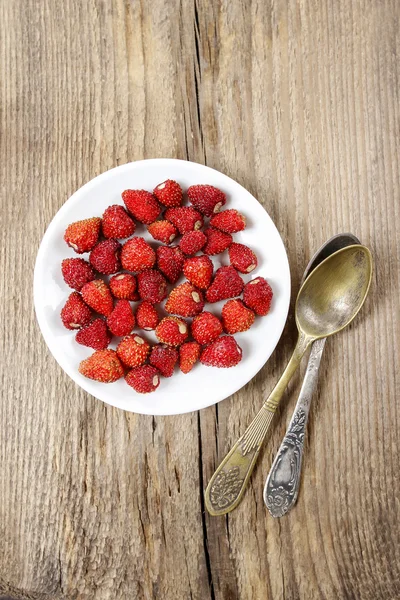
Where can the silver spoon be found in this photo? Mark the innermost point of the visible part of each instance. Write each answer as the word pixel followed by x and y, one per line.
pixel 283 482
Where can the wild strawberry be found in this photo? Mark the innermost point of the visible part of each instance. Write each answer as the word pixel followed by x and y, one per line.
pixel 170 262
pixel 257 295
pixel 116 223
pixel 185 218
pixel 172 331
pixel 95 335
pixel 75 313
pixel 217 241
pixel 146 316
pixel 227 283
pixel 236 316
pixel 142 205
pixel 199 271
pixel 123 286
pixel 143 379
pixel 98 296
pixel 188 355
pixel 103 366
pixel 152 286
pixel 105 257
pixel 185 300
pixel 169 193
pixel 133 350
pixel 206 198
pixel 242 258
pixel 224 352
pixel 163 231
pixel 192 242
pixel 76 272
pixel 230 221
pixel 137 255
pixel 206 327
pixel 164 358
pixel 82 236
pixel 122 320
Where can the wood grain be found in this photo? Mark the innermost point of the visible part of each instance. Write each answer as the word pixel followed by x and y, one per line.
pixel 299 102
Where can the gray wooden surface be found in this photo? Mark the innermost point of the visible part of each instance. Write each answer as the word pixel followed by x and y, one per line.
pixel 298 101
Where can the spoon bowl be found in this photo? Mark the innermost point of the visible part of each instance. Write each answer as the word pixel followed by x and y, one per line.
pixel 334 292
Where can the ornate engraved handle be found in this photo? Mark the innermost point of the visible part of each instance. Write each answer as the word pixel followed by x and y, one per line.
pixel 283 482
pixel 227 485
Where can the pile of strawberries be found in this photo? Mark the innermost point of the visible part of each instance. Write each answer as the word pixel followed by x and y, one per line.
pixel 100 307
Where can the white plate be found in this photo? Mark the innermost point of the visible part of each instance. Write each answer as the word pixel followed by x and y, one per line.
pixel 203 386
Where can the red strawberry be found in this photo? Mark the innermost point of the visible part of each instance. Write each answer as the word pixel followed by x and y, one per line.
pixel 192 242
pixel 242 258
pixel 163 231
pixel 133 350
pixel 170 262
pixel 142 205
pixel 123 286
pixel 137 255
pixel 105 257
pixel 206 198
pixel 185 218
pixel 224 352
pixel 122 320
pixel 146 316
pixel 95 335
pixel 217 241
pixel 152 286
pixel 199 271
pixel 103 366
pixel 98 296
pixel 257 295
pixel 172 331
pixel 236 316
pixel 185 300
pixel 230 221
pixel 77 272
pixel 164 358
pixel 169 193
pixel 206 327
pixel 75 313
pixel 116 223
pixel 143 379
pixel 188 355
pixel 227 283
pixel 82 236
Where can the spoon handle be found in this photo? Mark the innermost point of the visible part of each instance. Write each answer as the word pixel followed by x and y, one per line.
pixel 227 485
pixel 283 481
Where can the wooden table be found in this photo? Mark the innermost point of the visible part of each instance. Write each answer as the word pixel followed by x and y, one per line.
pixel 298 101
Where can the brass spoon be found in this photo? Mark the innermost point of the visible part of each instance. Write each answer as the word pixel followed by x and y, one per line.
pixel 327 302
